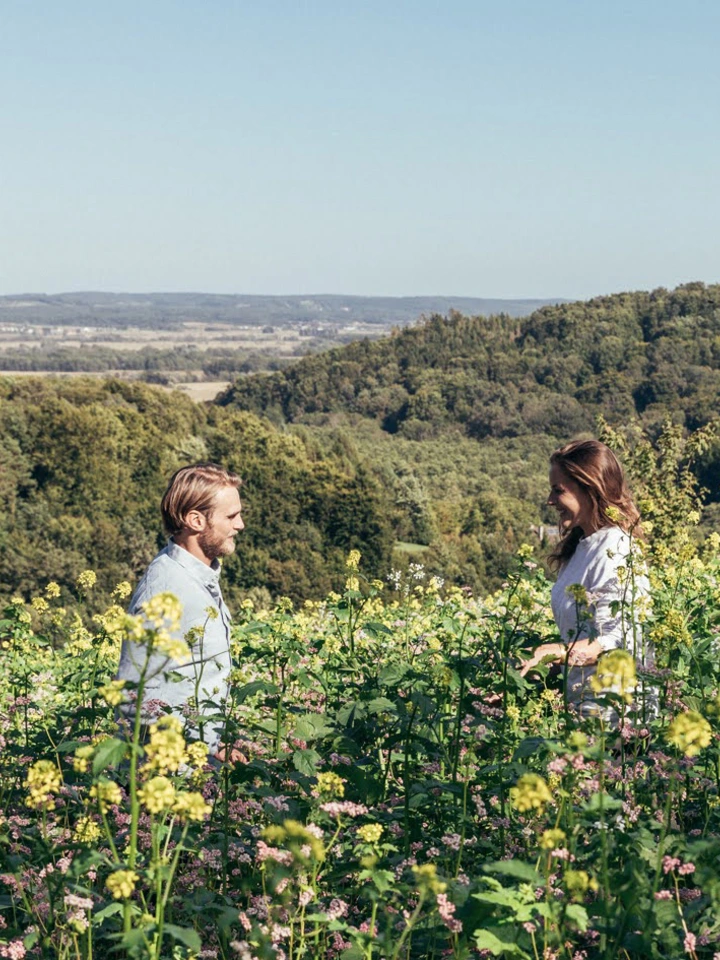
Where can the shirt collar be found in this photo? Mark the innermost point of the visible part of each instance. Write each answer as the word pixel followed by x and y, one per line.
pixel 209 575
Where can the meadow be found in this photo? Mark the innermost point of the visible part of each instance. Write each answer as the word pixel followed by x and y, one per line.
pixel 398 790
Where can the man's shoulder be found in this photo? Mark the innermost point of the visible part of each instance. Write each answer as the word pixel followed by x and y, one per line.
pixel 164 574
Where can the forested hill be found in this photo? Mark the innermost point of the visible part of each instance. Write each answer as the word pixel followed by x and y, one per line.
pixel 632 354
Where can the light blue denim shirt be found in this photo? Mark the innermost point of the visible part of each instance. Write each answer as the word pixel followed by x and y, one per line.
pixel 197 586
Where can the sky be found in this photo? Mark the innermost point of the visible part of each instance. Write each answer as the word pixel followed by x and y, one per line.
pixel 395 148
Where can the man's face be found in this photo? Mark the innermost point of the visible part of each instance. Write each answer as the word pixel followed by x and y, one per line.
pixel 223 523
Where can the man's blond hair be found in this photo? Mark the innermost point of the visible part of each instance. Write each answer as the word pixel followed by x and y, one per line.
pixel 193 488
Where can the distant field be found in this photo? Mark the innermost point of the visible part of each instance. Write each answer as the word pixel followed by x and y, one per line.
pixel 204 391
pixel 201 390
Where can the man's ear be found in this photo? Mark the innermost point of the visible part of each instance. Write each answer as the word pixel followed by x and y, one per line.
pixel 195 521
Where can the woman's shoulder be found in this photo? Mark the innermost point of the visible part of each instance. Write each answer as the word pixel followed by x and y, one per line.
pixel 608 547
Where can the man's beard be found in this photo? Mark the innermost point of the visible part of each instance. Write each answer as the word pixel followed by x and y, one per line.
pixel 213 545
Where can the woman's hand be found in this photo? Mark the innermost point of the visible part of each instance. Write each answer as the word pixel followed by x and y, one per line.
pixel 582 653
pixel 548 652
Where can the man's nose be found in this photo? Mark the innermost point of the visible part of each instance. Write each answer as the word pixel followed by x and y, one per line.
pixel 239 525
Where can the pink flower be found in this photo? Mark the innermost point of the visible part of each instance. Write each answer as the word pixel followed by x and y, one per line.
pixel 689 942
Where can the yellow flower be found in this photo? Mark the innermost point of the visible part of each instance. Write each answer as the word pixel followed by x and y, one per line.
pixel 173 647
pixel 577 740
pixel 167 749
pixel 513 713
pixel 86 830
pixel 122 883
pixel 112 692
pixel 552 839
pixel 52 590
pixel 427 879
pixel 191 806
pixel 87 580
pixel 43 780
pixel 197 753
pixel 370 833
pixel 578 882
pixel 107 794
pixel 689 732
pixel 157 795
pixel 247 604
pixel 163 611
pixel 615 672
pixel 212 612
pixel 530 793
pixel 330 784
pixel 352 583
pixel 353 560
pixel 39 605
pixel 82 757
pixel 578 592
pixel 122 591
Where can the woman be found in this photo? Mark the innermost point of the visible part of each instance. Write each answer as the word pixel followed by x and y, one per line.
pixel 600 588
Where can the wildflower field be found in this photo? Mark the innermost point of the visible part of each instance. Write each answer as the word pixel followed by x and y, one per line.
pixel 398 790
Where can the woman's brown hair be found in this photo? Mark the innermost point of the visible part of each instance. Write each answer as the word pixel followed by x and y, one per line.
pixel 597 471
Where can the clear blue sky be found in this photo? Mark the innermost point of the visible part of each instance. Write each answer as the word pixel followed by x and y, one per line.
pixel 404 147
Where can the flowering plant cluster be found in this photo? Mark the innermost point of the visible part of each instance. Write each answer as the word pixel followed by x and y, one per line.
pixel 391 787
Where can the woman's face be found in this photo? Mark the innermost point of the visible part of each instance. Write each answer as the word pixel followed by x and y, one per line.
pixel 573 504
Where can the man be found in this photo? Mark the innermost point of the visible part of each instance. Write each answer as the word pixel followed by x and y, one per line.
pixel 201 511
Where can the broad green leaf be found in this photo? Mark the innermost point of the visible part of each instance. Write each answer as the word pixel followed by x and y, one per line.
pixel 306 761
pixel 109 753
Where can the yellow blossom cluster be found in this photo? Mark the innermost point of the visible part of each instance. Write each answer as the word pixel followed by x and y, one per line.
pixel 52 590
pixel 370 833
pixel 300 838
pixel 578 882
pixel 167 751
pixel 164 610
pixel 191 806
pixel 330 784
pixel 87 580
pixel 197 754
pixel 552 839
pixel 82 757
pixel 615 672
pixel 427 878
pixel 112 693
pixel 86 830
pixel 107 794
pixel 530 793
pixel 43 780
pixel 122 591
pixel 690 733
pixel 40 605
pixel 353 560
pixel 157 794
pixel 121 883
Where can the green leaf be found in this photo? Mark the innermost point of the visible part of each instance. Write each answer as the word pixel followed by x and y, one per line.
pixel 601 802
pixel 391 675
pixel 250 689
pixel 515 868
pixel 528 747
pixel 306 761
pixel 381 705
pixel 312 726
pixel 485 940
pixel 108 754
pixel 185 935
pixel 110 910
